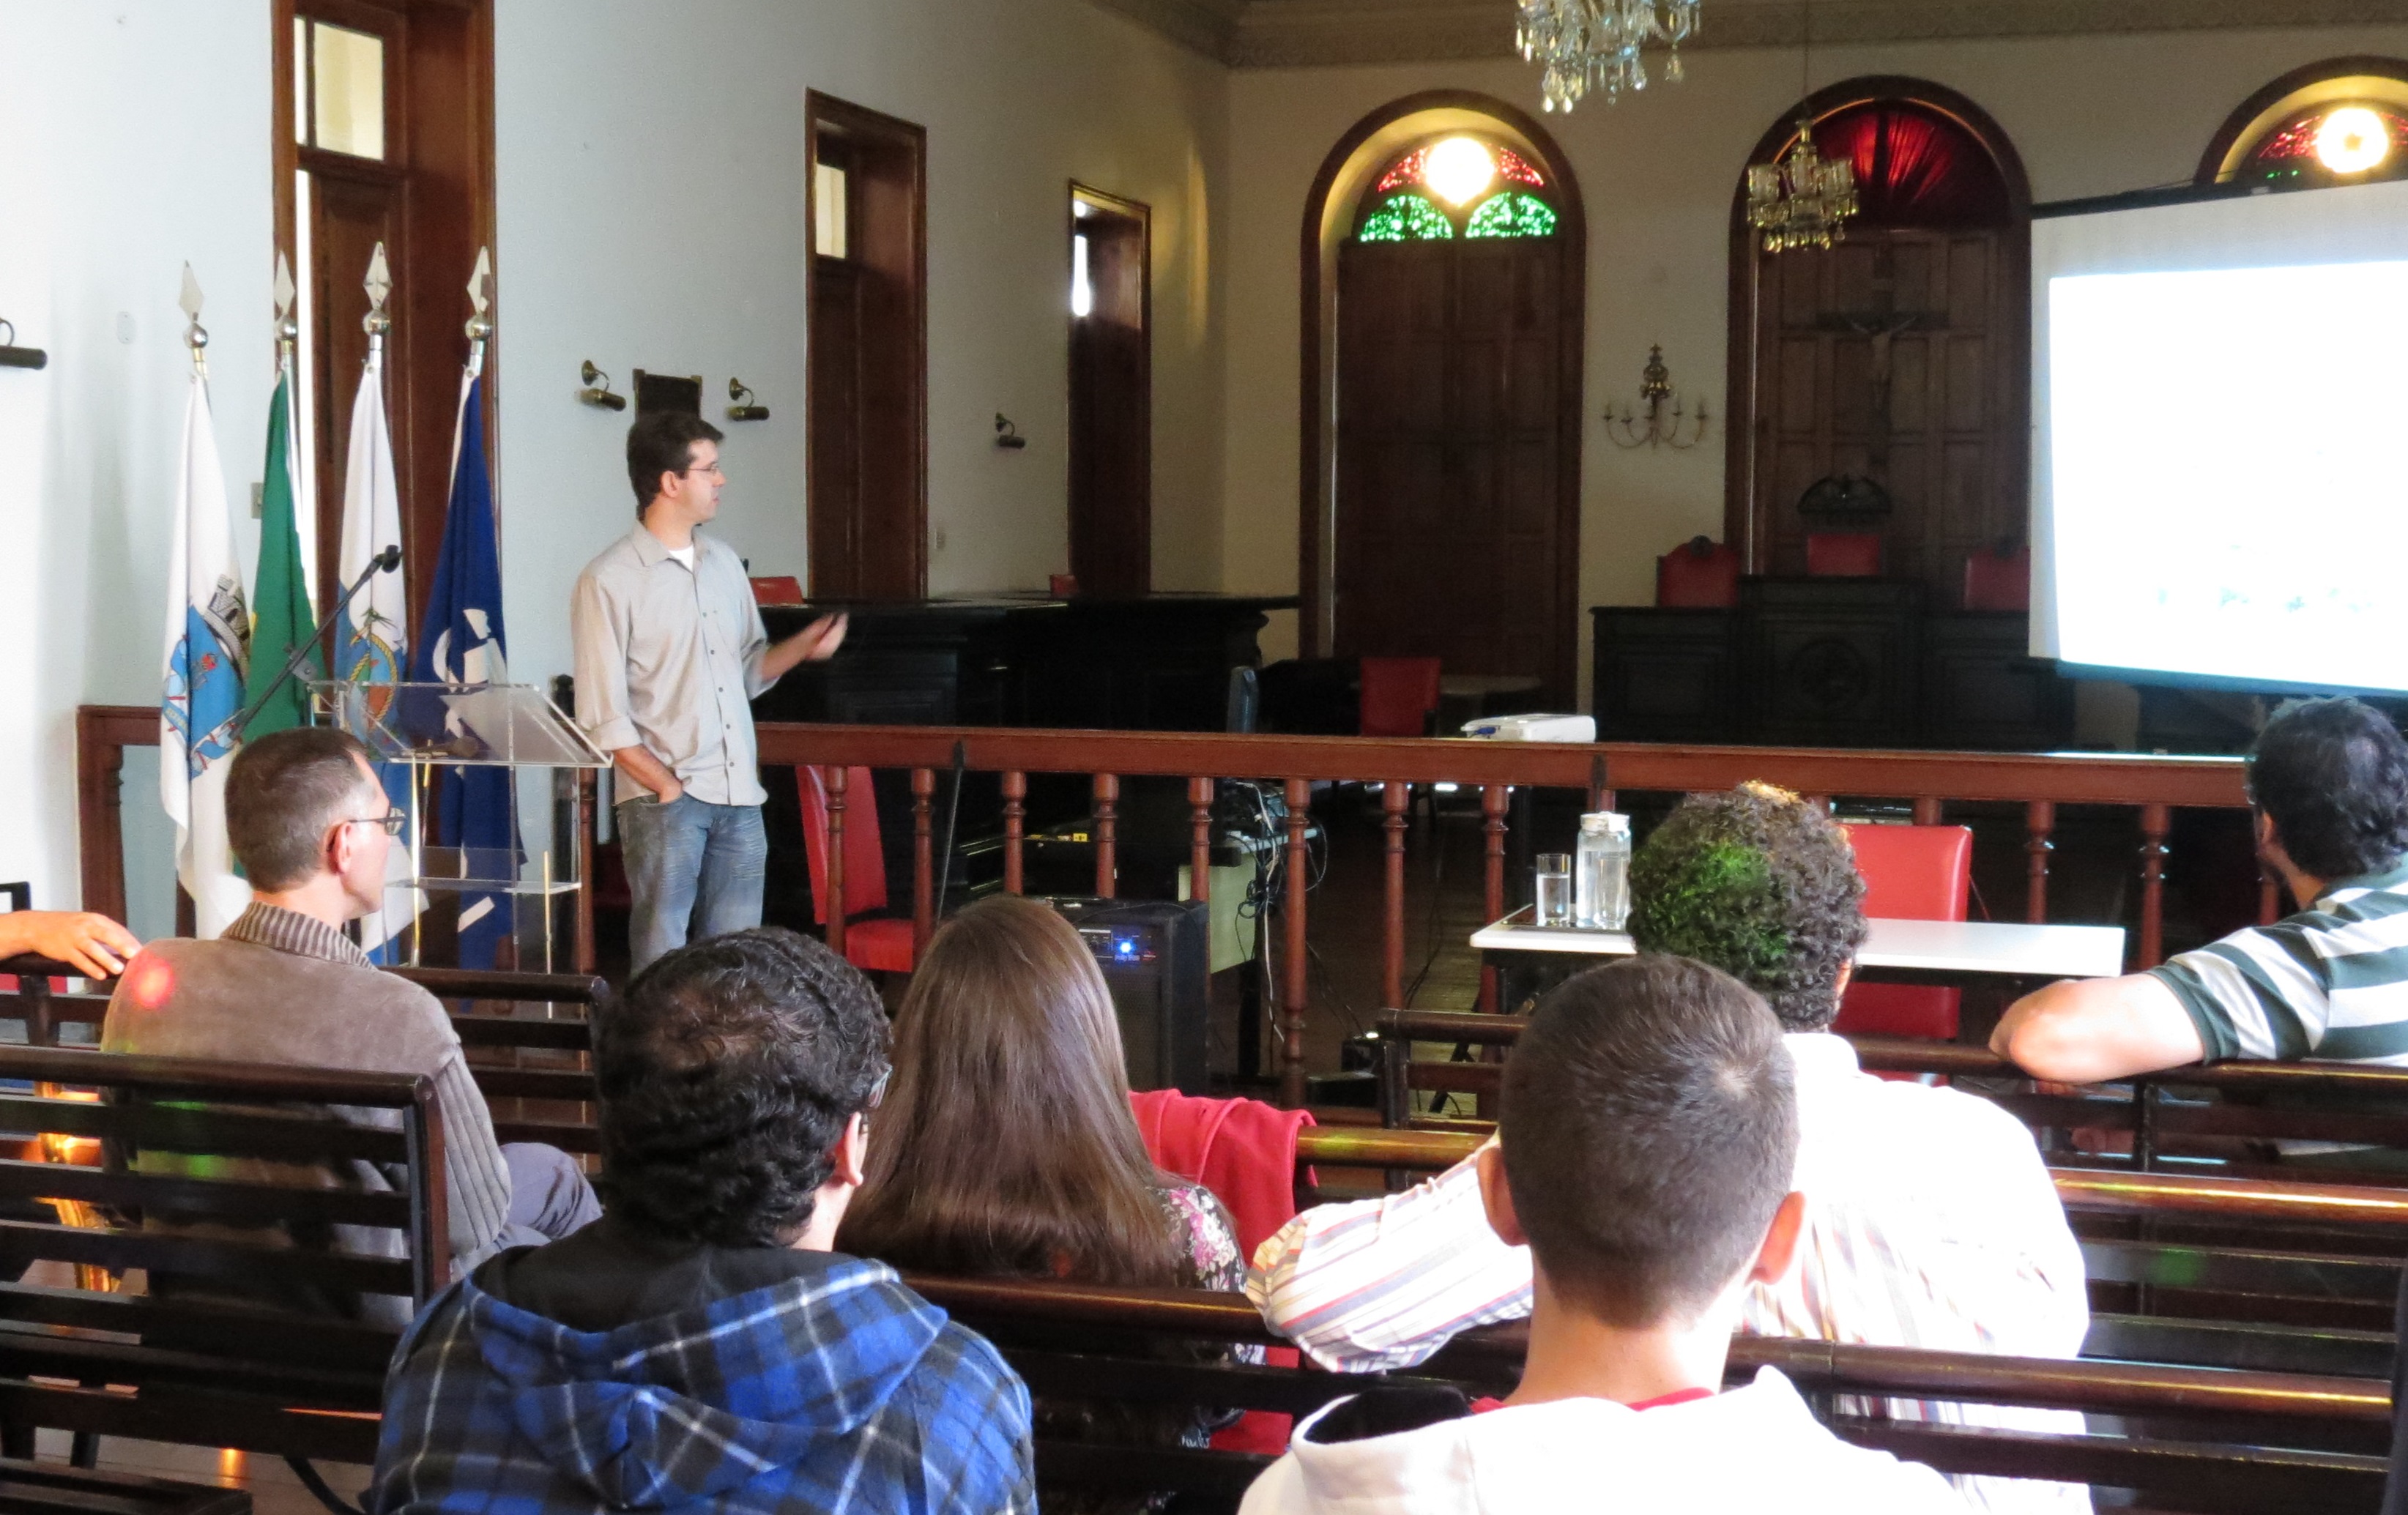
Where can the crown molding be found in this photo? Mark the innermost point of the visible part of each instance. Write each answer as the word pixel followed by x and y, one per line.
pixel 1205 26
pixel 1293 33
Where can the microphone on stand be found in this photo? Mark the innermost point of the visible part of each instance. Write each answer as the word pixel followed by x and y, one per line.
pixel 384 562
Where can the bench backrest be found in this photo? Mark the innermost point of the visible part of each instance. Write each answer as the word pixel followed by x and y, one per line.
pixel 217 1343
pixel 1082 1340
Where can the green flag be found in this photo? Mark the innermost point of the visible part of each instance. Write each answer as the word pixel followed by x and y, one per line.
pixel 284 619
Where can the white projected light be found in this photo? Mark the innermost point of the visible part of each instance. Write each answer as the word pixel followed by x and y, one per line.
pixel 2192 536
pixel 2218 493
pixel 2352 140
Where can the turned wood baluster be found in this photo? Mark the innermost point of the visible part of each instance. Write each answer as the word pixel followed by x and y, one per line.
pixel 1396 801
pixel 1927 811
pixel 1493 801
pixel 1199 839
pixel 1108 826
pixel 1016 813
pixel 1600 793
pixel 2155 821
pixel 1292 993
pixel 838 778
pixel 924 872
pixel 2040 824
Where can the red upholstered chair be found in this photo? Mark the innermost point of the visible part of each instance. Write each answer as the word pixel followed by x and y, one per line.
pixel 1910 873
pixel 1843 555
pixel 1400 696
pixel 880 944
pixel 780 590
pixel 1699 575
pixel 1997 580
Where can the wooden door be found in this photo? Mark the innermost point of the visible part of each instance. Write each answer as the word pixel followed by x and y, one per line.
pixel 1451 539
pixel 1898 355
pixel 1112 406
pixel 868 497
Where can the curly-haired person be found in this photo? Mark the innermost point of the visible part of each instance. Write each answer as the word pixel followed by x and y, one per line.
pixel 2328 793
pixel 1930 1220
pixel 701 1347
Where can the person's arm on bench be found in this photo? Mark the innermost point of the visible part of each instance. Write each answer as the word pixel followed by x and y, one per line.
pixel 1384 1283
pixel 94 943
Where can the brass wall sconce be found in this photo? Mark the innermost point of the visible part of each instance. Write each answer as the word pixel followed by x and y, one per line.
pixel 744 409
pixel 1007 436
pixel 596 392
pixel 1652 425
pixel 13 356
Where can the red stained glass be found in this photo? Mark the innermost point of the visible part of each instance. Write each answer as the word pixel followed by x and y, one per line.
pixel 2297 140
pixel 1406 173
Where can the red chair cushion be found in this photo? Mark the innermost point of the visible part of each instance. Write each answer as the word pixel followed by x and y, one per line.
pixel 1399 696
pixel 1910 873
pixel 880 945
pixel 782 589
pixel 1689 578
pixel 1999 580
pixel 1843 555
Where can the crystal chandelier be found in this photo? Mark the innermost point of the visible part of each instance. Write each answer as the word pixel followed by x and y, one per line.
pixel 1594 44
pixel 1800 201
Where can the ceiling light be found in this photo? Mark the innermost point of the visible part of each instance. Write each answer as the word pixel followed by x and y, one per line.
pixel 1459 170
pixel 2352 140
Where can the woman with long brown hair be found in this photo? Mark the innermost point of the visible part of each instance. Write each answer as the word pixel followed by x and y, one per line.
pixel 1005 1146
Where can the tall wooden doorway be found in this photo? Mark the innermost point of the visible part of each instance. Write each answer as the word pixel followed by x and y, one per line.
pixel 1901 354
pixel 383 124
pixel 866 202
pixel 1457 459
pixel 1111 394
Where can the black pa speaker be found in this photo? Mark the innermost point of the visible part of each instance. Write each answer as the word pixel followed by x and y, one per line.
pixel 1156 958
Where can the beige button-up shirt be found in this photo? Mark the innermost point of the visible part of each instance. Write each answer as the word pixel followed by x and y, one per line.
pixel 669 659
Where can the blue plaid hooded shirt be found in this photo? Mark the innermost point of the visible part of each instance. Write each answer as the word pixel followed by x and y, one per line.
pixel 838 1389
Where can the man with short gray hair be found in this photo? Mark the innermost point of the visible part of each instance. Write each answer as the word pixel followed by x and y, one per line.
pixel 311 825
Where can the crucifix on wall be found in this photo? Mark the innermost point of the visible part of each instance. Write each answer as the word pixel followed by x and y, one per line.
pixel 1881 325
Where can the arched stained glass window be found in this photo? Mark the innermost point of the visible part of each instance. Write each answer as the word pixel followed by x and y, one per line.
pixel 1457 186
pixel 2331 144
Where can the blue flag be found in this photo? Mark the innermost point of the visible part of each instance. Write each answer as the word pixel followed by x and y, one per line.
pixel 460 643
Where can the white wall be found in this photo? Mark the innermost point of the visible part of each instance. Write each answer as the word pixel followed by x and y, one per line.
pixel 2089 115
pixel 134 137
pixel 650 161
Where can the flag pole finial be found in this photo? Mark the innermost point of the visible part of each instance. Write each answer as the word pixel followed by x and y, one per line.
pixel 288 331
pixel 481 299
pixel 379 285
pixel 196 336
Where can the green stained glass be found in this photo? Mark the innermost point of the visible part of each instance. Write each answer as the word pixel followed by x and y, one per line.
pixel 1512 214
pixel 1407 217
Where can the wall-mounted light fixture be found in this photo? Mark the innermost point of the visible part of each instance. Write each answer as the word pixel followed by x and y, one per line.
pixel 596 392
pixel 13 356
pixel 1007 436
pixel 1652 425
pixel 744 409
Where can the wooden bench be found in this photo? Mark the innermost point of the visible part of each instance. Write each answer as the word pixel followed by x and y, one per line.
pixel 172 1366
pixel 1086 1341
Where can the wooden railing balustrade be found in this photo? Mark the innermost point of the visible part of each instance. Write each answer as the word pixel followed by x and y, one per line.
pixel 2153 787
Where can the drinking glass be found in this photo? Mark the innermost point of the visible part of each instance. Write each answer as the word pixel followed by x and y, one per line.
pixel 1555 892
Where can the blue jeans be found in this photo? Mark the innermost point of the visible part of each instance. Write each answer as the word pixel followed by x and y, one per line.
pixel 693 870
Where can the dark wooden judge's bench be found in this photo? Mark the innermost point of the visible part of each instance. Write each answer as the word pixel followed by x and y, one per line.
pixel 1158 662
pixel 1828 662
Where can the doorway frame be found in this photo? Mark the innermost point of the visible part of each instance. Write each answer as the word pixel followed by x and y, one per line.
pixel 1139 211
pixel 1741 410
pixel 887 133
pixel 1345 174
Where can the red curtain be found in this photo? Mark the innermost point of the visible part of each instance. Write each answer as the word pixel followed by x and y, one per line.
pixel 1914 166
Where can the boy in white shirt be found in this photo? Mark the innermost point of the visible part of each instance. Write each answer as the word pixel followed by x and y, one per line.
pixel 1649 1131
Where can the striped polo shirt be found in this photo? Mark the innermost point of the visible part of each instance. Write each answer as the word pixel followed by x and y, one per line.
pixel 2330 983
